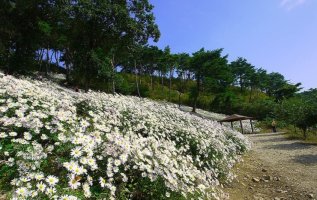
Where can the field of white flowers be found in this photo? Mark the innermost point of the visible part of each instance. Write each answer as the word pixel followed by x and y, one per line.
pixel 59 144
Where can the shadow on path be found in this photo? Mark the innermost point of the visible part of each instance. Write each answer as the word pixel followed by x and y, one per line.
pixel 273 140
pixel 306 159
pixel 267 134
pixel 291 146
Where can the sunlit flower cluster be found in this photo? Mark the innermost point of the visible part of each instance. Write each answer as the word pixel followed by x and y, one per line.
pixel 69 145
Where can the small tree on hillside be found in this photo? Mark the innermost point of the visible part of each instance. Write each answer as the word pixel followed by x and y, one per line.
pixel 299 111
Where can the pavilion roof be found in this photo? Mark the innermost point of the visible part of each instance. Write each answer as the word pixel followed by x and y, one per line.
pixel 235 117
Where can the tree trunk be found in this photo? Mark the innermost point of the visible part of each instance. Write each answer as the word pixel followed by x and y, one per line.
pixel 86 85
pixel 67 64
pixel 67 72
pixel 50 61
pixel 181 88
pixel 241 84
pixel 151 78
pixel 162 80
pixel 305 133
pixel 140 76
pixel 51 57
pixel 196 94
pixel 170 84
pixel 179 99
pixel 47 60
pixel 295 129
pixel 112 76
pixel 57 58
pixel 40 59
pixel 108 87
pixel 250 97
pixel 86 76
pixel 184 82
pixel 136 79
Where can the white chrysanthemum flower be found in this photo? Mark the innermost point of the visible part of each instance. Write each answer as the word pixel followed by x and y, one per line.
pixel 22 191
pixel 3 109
pixel 37 131
pixel 89 180
pixel 167 194
pixel 124 177
pixel 25 179
pixel 44 137
pixel 62 137
pixel 27 136
pixel 41 186
pixel 50 148
pixel 76 152
pixel 39 176
pixel 34 193
pixel 70 166
pixel 102 182
pixel 51 180
pixel 14 181
pixel 117 162
pixel 13 134
pixel 83 160
pixel 109 173
pixel 99 157
pixel 91 161
pixel 29 185
pixel 113 189
pixel 84 123
pixel 73 183
pixel 78 170
pixel 11 160
pixel 115 169
pixel 68 197
pixel 87 191
pixel 123 158
pixel 50 191
pixel 3 135
pixel 19 113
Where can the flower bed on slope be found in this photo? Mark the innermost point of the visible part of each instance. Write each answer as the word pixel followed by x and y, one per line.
pixel 59 144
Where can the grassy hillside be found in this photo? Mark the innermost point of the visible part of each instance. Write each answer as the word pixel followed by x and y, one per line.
pixel 57 143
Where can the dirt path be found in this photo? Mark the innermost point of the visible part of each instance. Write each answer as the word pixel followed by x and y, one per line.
pixel 276 168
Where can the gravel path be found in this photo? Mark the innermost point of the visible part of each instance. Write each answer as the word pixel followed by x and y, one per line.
pixel 275 169
pixel 293 159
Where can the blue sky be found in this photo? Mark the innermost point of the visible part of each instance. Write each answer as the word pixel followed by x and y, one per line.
pixel 277 35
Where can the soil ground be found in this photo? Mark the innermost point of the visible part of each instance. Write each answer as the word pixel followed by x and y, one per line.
pixel 276 168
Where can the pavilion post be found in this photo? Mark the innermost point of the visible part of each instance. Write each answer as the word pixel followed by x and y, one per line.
pixel 231 125
pixel 241 126
pixel 251 125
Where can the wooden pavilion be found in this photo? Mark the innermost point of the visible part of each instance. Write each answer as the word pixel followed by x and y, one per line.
pixel 235 117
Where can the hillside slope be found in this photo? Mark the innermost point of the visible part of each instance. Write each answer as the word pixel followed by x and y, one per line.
pixel 57 143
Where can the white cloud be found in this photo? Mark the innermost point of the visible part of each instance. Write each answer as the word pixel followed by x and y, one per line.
pixel 291 4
